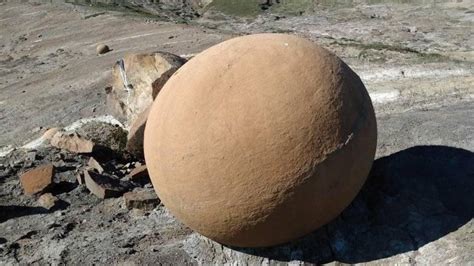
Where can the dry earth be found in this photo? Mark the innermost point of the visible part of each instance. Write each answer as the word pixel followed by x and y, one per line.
pixel 416 61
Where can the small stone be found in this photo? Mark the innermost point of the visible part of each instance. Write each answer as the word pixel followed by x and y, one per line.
pixel 59 164
pixel 31 156
pixel 413 29
pixel 48 201
pixel 102 49
pixel 29 159
pixel 103 186
pixel 72 142
pixel 95 165
pixel 38 179
pixel 143 199
pixel 59 213
pixel 136 133
pixel 139 173
pixel 36 129
pixel 80 178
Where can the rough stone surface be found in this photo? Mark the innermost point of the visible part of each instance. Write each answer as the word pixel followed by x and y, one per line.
pixel 103 186
pixel 104 135
pixel 48 201
pixel 49 133
pixel 72 142
pixel 136 134
pixel 254 159
pixel 38 179
pixel 142 199
pixel 137 79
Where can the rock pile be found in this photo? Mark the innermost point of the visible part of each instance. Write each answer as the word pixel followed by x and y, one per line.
pixel 68 160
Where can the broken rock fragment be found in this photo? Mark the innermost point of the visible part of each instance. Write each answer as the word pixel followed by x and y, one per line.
pixel 104 186
pixel 137 79
pixel 139 174
pixel 80 178
pixel 72 142
pixel 143 199
pixel 135 134
pixel 95 165
pixel 48 201
pixel 38 179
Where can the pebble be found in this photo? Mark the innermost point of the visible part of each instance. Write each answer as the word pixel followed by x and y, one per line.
pixel 102 49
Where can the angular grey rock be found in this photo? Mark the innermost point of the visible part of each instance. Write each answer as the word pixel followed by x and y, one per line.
pixel 103 186
pixel 143 199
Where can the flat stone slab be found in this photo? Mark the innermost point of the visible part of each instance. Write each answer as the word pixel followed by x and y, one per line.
pixel 103 186
pixel 38 179
pixel 142 199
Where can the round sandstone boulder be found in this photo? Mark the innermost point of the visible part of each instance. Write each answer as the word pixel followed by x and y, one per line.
pixel 260 140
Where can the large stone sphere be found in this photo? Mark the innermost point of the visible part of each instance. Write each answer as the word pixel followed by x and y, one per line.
pixel 260 140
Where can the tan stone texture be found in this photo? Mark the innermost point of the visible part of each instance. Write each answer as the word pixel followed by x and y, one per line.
pixel 38 179
pixel 260 140
pixel 135 134
pixel 136 85
pixel 72 142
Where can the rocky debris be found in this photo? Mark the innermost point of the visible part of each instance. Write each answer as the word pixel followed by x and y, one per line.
pixel 72 142
pixel 102 49
pixel 137 79
pixel 145 199
pixel 93 164
pixel 136 133
pixel 48 201
pixel 38 179
pixel 104 186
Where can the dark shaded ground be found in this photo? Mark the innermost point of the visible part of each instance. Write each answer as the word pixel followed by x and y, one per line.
pixel 411 198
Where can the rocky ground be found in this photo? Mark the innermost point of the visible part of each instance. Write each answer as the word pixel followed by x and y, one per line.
pixel 416 207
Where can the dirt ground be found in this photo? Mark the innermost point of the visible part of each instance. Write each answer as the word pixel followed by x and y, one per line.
pixel 417 61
